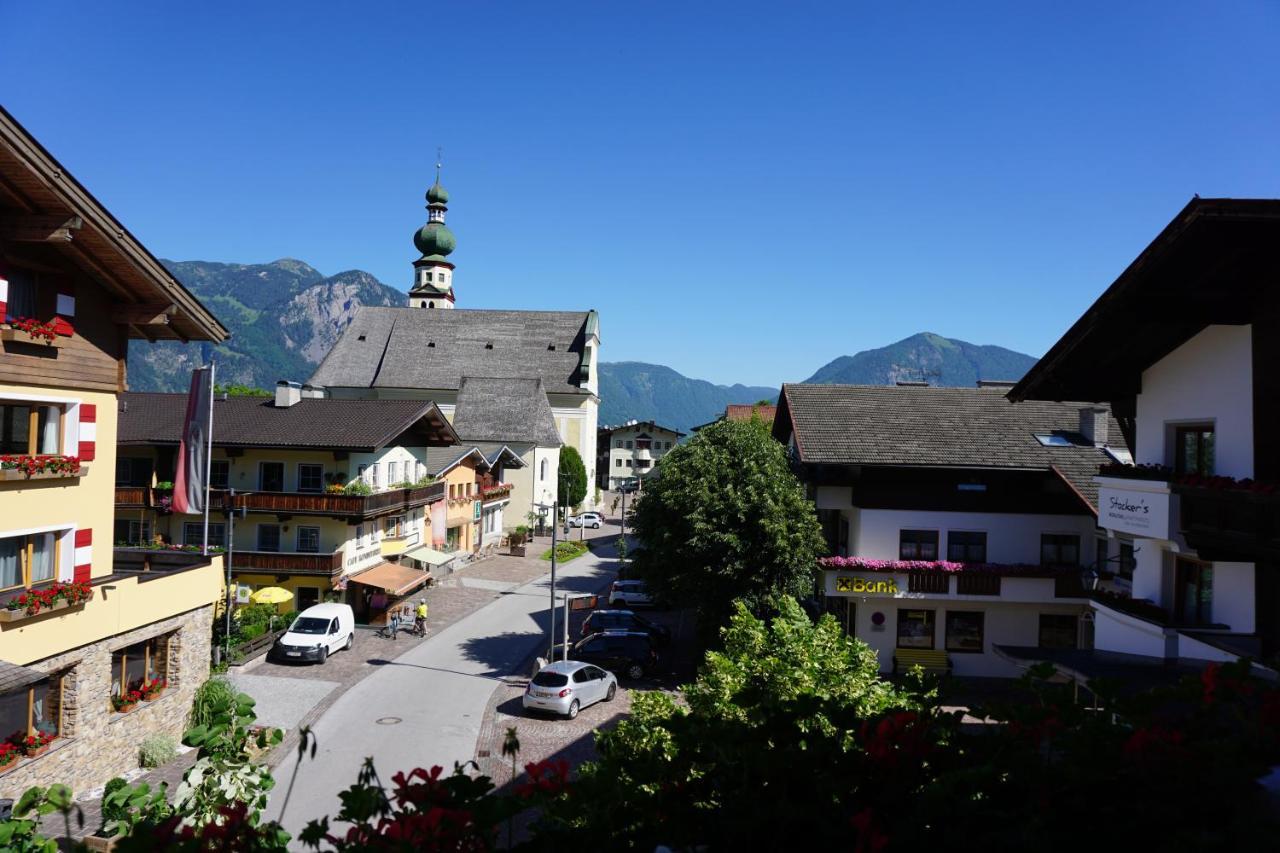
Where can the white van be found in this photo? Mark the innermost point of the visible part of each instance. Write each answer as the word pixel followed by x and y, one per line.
pixel 316 632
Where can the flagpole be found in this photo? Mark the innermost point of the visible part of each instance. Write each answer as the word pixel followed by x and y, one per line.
pixel 208 457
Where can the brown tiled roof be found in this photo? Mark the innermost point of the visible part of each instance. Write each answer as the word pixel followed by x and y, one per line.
pixel 147 418
pixel 944 427
pixel 736 412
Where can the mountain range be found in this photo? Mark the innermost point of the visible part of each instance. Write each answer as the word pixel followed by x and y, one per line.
pixel 285 315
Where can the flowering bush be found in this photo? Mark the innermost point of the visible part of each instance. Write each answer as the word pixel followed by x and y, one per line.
pixel 35 328
pixel 489 492
pixel 51 463
pixel 863 564
pixel 9 753
pixel 35 600
pixel 166 546
pixel 126 699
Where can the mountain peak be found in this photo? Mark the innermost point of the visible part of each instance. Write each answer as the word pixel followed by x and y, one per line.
pixel 928 357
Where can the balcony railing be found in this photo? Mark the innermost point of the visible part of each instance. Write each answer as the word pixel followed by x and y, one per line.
pixel 1230 524
pixel 300 503
pixel 496 493
pixel 132 497
pixel 327 565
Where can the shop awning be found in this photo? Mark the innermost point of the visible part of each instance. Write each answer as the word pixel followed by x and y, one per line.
pixel 428 555
pixel 392 579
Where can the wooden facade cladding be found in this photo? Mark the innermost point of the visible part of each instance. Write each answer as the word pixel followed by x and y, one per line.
pixel 324 565
pixel 298 503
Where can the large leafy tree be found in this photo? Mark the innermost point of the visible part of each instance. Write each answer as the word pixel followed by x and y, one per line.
pixel 727 519
pixel 573 477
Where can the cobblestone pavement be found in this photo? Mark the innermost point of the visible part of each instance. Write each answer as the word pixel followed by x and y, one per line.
pixel 276 685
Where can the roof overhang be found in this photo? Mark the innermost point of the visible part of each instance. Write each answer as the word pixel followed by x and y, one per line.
pixel 35 187
pixel 438 428
pixel 1216 263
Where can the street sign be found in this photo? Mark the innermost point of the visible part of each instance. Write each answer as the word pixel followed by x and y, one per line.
pixel 242 593
pixel 584 602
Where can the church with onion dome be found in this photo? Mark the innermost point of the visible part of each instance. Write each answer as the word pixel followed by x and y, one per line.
pixel 524 380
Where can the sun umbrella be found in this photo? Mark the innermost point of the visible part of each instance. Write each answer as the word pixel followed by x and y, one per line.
pixel 271 595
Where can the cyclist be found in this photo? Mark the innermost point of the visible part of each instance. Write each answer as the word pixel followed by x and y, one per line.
pixel 420 617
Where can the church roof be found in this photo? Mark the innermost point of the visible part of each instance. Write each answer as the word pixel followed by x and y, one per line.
pixel 507 410
pixel 433 349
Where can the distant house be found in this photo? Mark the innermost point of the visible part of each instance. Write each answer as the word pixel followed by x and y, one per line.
pixel 631 452
pixel 358 498
pixel 958 521
pixel 744 412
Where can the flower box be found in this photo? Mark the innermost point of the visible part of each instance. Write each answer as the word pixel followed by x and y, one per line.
pixel 21 336
pixel 58 595
pixel 19 615
pixel 32 752
pixel 126 708
pixel 15 466
pixel 10 474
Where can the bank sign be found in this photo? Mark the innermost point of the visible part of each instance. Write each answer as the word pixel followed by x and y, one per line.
pixel 1136 511
pixel 843 584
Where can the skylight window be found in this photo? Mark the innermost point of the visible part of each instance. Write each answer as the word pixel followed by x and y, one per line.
pixel 1056 439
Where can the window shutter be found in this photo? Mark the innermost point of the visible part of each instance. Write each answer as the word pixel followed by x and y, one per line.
pixel 4 297
pixel 66 312
pixel 84 555
pixel 88 431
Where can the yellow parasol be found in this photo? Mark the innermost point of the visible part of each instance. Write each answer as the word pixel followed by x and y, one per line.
pixel 271 595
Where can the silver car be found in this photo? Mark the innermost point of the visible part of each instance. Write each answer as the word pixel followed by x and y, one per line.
pixel 567 686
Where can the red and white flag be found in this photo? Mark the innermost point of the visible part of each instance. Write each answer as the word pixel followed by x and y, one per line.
pixel 191 483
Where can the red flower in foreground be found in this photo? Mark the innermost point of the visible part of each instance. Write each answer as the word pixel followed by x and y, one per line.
pixel 870 839
pixel 547 776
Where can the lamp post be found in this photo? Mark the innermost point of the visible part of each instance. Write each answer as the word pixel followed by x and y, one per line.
pixel 552 632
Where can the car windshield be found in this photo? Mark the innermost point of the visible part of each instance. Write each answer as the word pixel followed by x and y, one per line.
pixel 550 679
pixel 309 625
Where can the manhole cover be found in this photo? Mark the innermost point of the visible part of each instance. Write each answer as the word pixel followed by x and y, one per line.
pixel 388 721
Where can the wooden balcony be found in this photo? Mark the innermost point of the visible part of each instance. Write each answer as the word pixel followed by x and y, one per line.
pixel 1230 524
pixel 324 565
pixel 132 497
pixel 499 492
pixel 296 503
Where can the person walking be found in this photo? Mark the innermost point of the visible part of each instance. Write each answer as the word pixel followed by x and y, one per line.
pixel 420 618
pixel 395 622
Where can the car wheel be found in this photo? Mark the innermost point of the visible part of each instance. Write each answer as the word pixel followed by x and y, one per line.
pixel 635 671
pixel 595 526
pixel 613 688
pixel 573 709
pixel 324 654
pixel 351 639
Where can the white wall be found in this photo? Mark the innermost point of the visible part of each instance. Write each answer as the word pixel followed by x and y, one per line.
pixel 874 533
pixel 1233 603
pixel 1208 378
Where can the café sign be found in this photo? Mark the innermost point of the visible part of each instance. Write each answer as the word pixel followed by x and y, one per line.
pixel 1137 511
pixel 361 559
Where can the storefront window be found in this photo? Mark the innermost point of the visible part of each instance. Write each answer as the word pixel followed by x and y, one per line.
pixel 1058 631
pixel 964 631
pixel 918 545
pixel 915 629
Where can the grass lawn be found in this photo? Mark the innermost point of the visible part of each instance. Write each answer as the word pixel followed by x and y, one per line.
pixel 566 551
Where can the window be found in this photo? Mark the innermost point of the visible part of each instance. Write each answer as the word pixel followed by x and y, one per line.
pixel 375 476
pixel 1059 550
pixel 193 533
pixel 308 540
pixel 362 473
pixel 964 631
pixel 135 664
pixel 22 294
pixel 1193 449
pixel 30 429
pixel 271 476
pixel 630 463
pixel 1058 631
pixel 307 596
pixel 393 473
pixel 629 445
pixel 918 545
pixel 310 477
pixel 966 546
pixel 35 708
pixel 220 474
pixel 28 560
pixel 360 534
pixel 1100 558
pixel 1193 596
pixel 643 463
pixel 1127 561
pixel 1055 439
pixel 395 526
pixel 268 537
pixel 618 443
pixel 915 629
pixel 619 463
pixel 132 532
pixel 133 471
pixel 542 470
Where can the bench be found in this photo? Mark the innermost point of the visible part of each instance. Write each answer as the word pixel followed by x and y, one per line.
pixel 930 660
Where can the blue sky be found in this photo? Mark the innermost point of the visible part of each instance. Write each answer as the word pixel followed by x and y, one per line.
pixel 743 190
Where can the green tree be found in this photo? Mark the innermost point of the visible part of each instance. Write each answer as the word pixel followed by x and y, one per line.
pixel 236 390
pixel 727 519
pixel 573 477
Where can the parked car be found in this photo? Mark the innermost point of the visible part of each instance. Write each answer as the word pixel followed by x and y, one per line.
pixel 587 519
pixel 629 593
pixel 624 620
pixel 631 653
pixel 316 633
pixel 567 686
pixel 629 487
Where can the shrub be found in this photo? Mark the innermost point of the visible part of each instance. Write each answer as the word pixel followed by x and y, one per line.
pixel 213 693
pixel 157 751
pixel 357 487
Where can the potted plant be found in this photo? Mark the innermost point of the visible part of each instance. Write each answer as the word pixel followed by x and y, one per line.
pixel 36 744
pixel 126 701
pixel 9 754
pixel 32 331
pixel 151 689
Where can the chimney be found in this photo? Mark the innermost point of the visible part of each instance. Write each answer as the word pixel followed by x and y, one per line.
pixel 1093 425
pixel 287 393
pixel 313 392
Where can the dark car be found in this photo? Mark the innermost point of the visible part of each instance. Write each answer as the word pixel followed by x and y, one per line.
pixel 625 620
pixel 629 653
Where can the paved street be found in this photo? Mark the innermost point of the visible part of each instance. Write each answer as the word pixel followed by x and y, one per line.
pixel 427 705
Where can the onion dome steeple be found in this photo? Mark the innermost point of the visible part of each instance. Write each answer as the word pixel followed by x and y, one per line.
pixel 432 273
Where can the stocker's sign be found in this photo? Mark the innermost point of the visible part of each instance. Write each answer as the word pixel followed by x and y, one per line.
pixel 853 585
pixel 1136 511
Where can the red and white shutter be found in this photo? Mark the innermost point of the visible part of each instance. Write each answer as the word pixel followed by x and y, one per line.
pixel 84 555
pixel 88 431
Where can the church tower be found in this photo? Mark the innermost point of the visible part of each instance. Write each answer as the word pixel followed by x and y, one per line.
pixel 432 273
